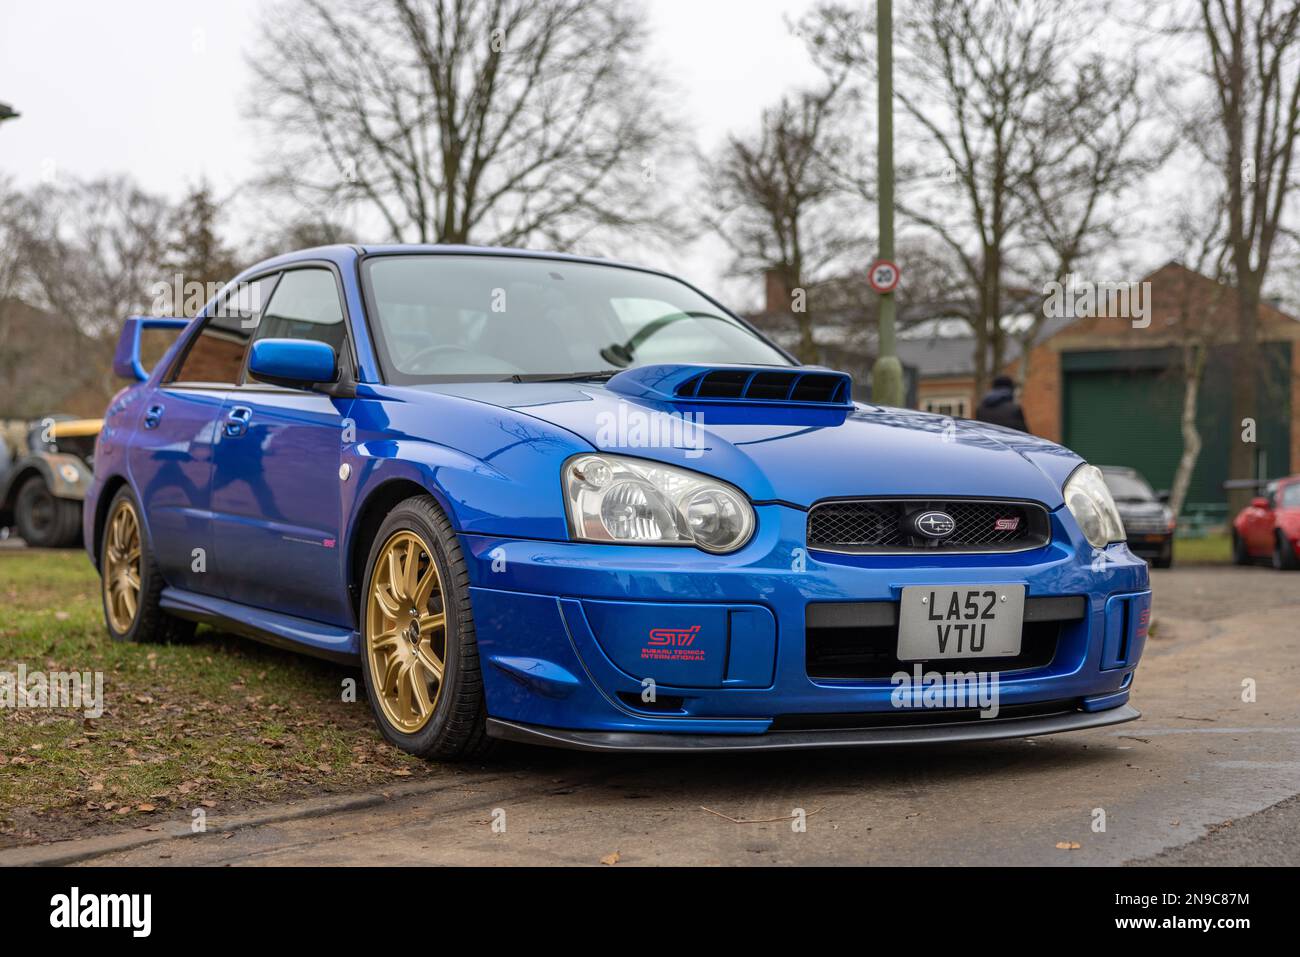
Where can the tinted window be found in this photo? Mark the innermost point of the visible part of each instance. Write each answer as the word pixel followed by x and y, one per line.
pixel 1291 496
pixel 497 316
pixel 304 306
pixel 217 353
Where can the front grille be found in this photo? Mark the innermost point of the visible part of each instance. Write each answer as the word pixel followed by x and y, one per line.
pixel 885 525
pixel 1145 526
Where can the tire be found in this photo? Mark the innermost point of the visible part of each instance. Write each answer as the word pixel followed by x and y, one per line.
pixel 1283 554
pixel 148 622
pixel 1166 557
pixel 1240 556
pixel 454 725
pixel 43 520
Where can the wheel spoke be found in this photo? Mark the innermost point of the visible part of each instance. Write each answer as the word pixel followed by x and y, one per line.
pixel 432 622
pixel 392 670
pixel 419 691
pixel 424 588
pixel 385 639
pixel 387 601
pixel 412 568
pixel 404 687
pixel 392 577
pixel 428 660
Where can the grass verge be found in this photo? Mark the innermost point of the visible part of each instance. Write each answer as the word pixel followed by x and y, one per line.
pixel 217 725
pixel 1210 550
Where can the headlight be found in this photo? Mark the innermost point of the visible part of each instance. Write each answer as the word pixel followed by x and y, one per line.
pixel 1090 502
pixel 634 501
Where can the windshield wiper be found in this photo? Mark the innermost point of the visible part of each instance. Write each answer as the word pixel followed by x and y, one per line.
pixel 565 376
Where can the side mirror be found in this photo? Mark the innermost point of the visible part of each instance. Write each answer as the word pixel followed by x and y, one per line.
pixel 1259 502
pixel 295 363
pixel 1163 496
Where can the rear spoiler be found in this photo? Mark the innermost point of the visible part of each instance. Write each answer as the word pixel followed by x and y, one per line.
pixel 126 360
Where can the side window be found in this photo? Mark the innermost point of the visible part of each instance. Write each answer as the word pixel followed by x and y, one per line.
pixel 217 354
pixel 305 306
pixel 1291 496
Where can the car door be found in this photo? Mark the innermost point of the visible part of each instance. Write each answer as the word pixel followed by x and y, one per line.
pixel 172 448
pixel 276 501
pixel 1259 525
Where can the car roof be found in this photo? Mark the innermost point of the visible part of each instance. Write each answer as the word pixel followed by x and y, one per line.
pixel 345 252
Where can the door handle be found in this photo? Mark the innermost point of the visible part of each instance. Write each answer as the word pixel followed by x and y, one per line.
pixel 237 420
pixel 152 416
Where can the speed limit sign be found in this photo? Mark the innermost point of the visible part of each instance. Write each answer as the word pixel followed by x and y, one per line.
pixel 883 276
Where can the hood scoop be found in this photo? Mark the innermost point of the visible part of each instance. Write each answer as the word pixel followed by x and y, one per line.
pixel 737 385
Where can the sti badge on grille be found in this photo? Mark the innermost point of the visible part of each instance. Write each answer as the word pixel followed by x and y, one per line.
pixel 934 524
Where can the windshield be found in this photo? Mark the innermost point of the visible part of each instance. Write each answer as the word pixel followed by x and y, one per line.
pixel 1127 487
pixel 498 317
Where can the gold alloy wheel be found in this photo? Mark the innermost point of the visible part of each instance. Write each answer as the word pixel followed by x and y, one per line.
pixel 122 568
pixel 406 631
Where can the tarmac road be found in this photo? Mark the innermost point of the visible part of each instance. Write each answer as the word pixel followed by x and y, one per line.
pixel 1204 777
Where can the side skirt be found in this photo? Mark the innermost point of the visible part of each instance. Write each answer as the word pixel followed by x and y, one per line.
pixel 283 631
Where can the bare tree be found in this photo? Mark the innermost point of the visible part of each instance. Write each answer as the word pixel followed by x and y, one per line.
pixel 1026 132
pixel 1254 75
pixel 1201 324
pixel 93 251
pixel 775 199
pixel 487 121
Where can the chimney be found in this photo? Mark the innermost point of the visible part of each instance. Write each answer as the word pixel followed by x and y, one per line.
pixel 776 291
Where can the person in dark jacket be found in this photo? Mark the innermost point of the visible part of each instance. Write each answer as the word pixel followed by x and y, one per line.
pixel 1000 407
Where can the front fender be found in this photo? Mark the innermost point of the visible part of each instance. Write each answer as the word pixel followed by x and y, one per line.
pixel 66 476
pixel 493 471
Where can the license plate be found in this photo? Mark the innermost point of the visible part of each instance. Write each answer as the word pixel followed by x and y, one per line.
pixel 970 621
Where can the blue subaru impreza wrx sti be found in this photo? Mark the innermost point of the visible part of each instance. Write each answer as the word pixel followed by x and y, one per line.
pixel 564 501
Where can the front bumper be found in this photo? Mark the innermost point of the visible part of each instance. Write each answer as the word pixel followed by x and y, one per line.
pixel 1151 545
pixel 550 616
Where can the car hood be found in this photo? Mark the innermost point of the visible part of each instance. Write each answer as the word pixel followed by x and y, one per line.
pixel 797 454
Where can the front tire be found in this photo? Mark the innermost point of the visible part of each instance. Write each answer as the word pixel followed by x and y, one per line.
pixel 43 519
pixel 1240 554
pixel 131 584
pixel 1166 557
pixel 419 656
pixel 1283 554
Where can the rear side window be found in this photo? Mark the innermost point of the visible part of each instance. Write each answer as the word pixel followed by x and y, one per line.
pixel 305 306
pixel 217 354
pixel 1291 496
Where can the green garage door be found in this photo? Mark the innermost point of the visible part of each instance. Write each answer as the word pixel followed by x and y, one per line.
pixel 1126 418
pixel 1124 408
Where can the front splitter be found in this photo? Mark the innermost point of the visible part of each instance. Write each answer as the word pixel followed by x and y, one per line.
pixel 668 742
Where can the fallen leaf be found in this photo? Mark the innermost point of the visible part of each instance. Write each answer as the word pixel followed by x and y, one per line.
pixel 1067 845
pixel 146 807
pixel 610 858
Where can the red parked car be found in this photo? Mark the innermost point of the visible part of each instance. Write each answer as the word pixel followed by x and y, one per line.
pixel 1269 527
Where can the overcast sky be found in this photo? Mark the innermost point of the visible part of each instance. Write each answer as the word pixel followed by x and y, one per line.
pixel 157 88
